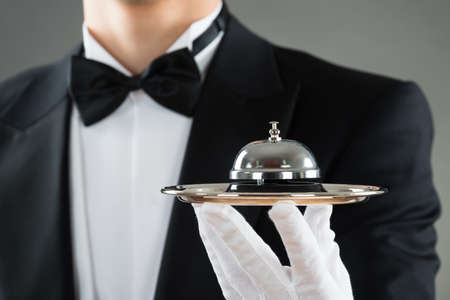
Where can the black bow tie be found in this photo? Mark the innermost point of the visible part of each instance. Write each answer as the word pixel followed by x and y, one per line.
pixel 173 80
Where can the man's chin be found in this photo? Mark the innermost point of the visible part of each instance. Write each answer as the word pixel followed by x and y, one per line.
pixel 137 2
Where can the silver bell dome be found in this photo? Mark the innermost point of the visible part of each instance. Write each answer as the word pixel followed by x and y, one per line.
pixel 274 159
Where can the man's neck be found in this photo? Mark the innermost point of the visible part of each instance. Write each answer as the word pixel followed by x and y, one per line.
pixel 135 34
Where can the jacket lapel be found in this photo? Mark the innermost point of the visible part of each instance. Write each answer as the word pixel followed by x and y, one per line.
pixel 243 91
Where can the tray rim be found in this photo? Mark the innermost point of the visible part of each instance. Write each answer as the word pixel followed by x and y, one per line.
pixel 246 198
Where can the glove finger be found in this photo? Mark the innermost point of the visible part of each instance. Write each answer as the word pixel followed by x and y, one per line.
pixel 308 267
pixel 251 252
pixel 233 280
pixel 318 219
pixel 227 289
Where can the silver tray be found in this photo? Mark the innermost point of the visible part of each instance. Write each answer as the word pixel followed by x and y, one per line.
pixel 216 193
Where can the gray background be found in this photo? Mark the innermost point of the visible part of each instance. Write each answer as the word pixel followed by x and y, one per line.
pixel 407 39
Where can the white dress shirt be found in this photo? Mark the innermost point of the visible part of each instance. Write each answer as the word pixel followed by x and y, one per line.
pixel 118 166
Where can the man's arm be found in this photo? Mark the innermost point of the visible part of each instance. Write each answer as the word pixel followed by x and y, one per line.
pixel 388 243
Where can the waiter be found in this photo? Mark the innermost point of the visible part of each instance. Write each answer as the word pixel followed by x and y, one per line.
pixel 161 90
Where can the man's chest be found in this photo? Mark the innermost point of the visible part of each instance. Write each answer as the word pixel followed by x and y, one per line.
pixel 119 217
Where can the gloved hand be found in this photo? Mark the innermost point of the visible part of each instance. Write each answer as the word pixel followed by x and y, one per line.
pixel 246 267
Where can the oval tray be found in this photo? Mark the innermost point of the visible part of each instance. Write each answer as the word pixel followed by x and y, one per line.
pixel 216 192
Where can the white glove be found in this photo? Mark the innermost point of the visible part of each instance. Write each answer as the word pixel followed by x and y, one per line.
pixel 247 268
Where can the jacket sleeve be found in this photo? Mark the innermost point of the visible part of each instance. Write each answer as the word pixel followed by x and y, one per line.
pixel 388 242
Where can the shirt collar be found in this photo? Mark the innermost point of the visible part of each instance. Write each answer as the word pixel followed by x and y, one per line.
pixel 94 51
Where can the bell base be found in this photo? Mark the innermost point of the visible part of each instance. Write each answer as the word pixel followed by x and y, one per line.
pixel 275 186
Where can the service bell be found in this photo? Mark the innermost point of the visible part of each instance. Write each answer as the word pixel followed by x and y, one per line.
pixel 275 165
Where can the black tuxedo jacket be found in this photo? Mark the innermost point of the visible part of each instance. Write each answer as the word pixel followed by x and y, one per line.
pixel 362 128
